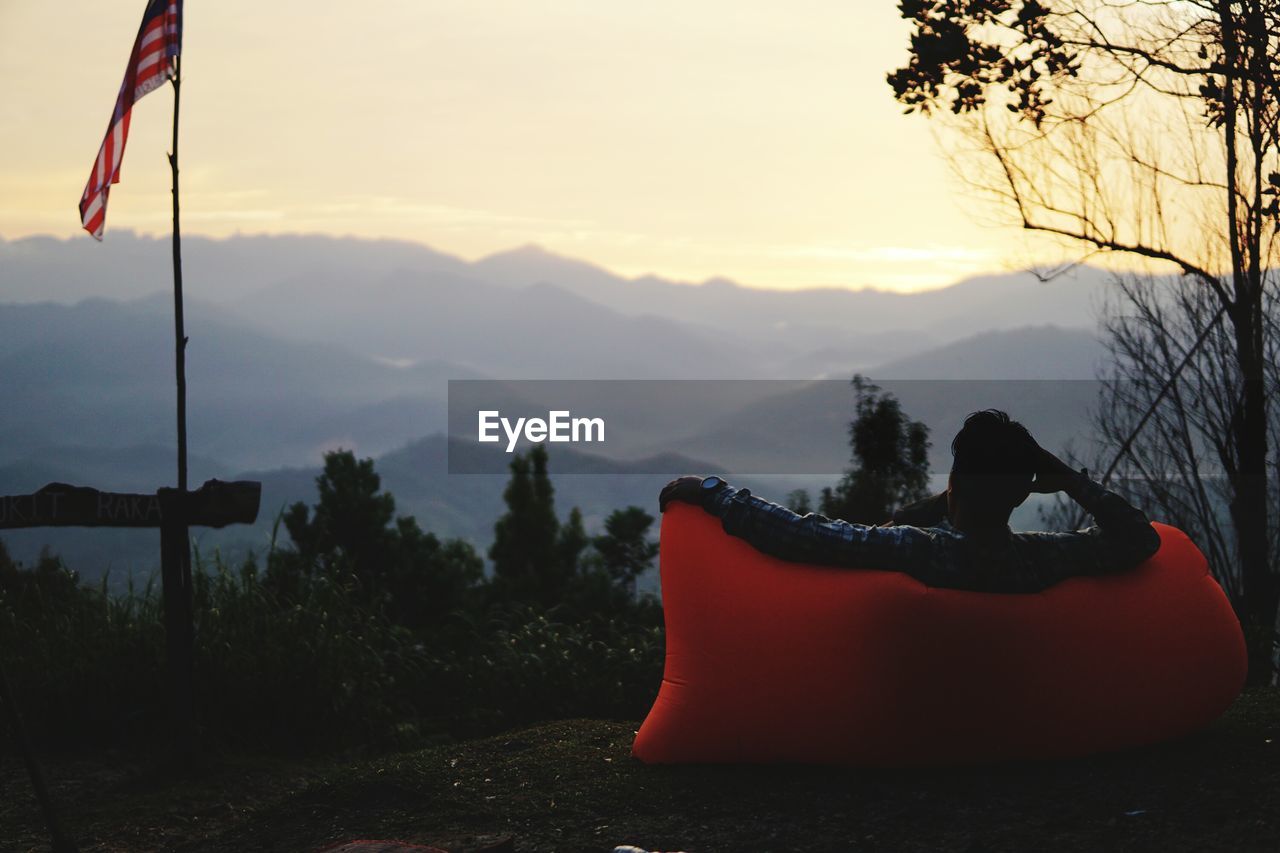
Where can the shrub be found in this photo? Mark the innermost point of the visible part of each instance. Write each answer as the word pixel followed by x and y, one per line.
pixel 316 669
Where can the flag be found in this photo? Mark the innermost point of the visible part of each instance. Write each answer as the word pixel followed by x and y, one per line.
pixel 151 63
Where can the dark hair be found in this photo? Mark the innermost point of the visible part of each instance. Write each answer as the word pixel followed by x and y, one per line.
pixel 993 460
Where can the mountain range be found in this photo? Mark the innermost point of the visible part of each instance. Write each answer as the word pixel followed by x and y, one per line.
pixel 302 344
pixel 402 301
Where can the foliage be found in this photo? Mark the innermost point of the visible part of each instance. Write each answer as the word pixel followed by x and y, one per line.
pixel 528 560
pixel 353 538
pixel 85 665
pixel 1177 466
pixel 316 672
pixel 624 551
pixel 537 560
pixel 961 50
pixel 521 664
pixel 890 459
pixel 799 502
pixel 572 542
pixel 366 631
pixel 1152 129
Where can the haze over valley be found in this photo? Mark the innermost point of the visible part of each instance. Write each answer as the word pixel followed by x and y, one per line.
pixel 303 344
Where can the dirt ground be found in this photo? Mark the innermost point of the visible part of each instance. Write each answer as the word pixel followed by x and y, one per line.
pixel 572 786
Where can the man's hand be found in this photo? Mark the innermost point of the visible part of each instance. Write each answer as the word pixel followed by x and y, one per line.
pixel 1053 475
pixel 687 489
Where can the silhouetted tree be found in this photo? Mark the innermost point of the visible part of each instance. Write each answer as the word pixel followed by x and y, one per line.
pixel 798 501
pixel 351 521
pixel 429 578
pixel 625 551
pixel 573 541
pixel 1150 128
pixel 49 581
pixel 352 536
pixel 890 459
pixel 527 555
pixel 1176 465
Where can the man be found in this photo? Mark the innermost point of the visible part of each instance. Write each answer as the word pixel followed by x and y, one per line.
pixel 958 539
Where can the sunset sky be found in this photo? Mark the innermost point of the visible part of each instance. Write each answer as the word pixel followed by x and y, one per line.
pixel 753 140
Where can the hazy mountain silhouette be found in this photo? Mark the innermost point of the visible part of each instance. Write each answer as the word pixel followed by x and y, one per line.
pixel 528 312
pixel 140 468
pixel 541 331
pixel 127 265
pixel 306 343
pixel 798 316
pixel 100 374
pixel 804 430
pixel 1032 352
pixel 1043 376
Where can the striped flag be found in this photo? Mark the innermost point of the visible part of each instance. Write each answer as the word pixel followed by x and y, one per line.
pixel 151 63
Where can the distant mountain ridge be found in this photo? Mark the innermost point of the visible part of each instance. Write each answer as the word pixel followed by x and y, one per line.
pixel 966 307
pixel 100 373
pixel 284 284
pixel 1047 353
pixel 303 344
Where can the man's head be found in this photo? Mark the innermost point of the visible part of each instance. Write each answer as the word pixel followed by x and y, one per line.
pixel 993 466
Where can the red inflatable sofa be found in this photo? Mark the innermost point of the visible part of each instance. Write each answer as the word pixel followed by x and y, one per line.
pixel 770 661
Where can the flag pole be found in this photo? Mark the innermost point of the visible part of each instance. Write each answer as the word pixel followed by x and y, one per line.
pixel 179 331
pixel 175 541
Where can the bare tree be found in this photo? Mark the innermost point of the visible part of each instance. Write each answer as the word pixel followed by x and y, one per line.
pixel 1163 419
pixel 1146 128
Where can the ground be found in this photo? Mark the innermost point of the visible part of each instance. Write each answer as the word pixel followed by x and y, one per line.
pixel 572 786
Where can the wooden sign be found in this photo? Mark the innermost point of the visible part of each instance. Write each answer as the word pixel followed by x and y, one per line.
pixel 215 504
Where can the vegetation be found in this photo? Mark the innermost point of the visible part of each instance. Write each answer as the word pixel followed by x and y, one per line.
pixel 1179 448
pixel 889 466
pixel 363 631
pixel 367 633
pixel 1149 128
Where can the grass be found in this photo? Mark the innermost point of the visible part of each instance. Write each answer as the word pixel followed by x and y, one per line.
pixel 572 786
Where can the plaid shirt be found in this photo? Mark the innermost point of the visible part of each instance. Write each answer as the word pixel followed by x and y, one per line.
pixel 941 556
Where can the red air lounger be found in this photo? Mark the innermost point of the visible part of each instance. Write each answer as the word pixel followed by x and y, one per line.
pixel 770 661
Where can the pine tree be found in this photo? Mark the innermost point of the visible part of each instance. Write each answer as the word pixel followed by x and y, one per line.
pixel 352 536
pixel 890 465
pixel 527 560
pixel 572 542
pixel 624 551
pixel 349 526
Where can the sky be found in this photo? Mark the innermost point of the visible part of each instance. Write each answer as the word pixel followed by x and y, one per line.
pixel 752 140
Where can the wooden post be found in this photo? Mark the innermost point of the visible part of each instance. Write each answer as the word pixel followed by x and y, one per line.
pixel 179 325
pixel 179 628
pixel 175 541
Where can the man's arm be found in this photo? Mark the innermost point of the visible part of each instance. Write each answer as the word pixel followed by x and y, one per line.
pixel 1122 536
pixel 929 512
pixel 810 538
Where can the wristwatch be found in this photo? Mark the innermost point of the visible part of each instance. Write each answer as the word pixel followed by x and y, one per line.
pixel 711 485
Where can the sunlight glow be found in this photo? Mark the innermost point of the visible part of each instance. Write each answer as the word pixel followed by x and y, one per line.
pixel 754 141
